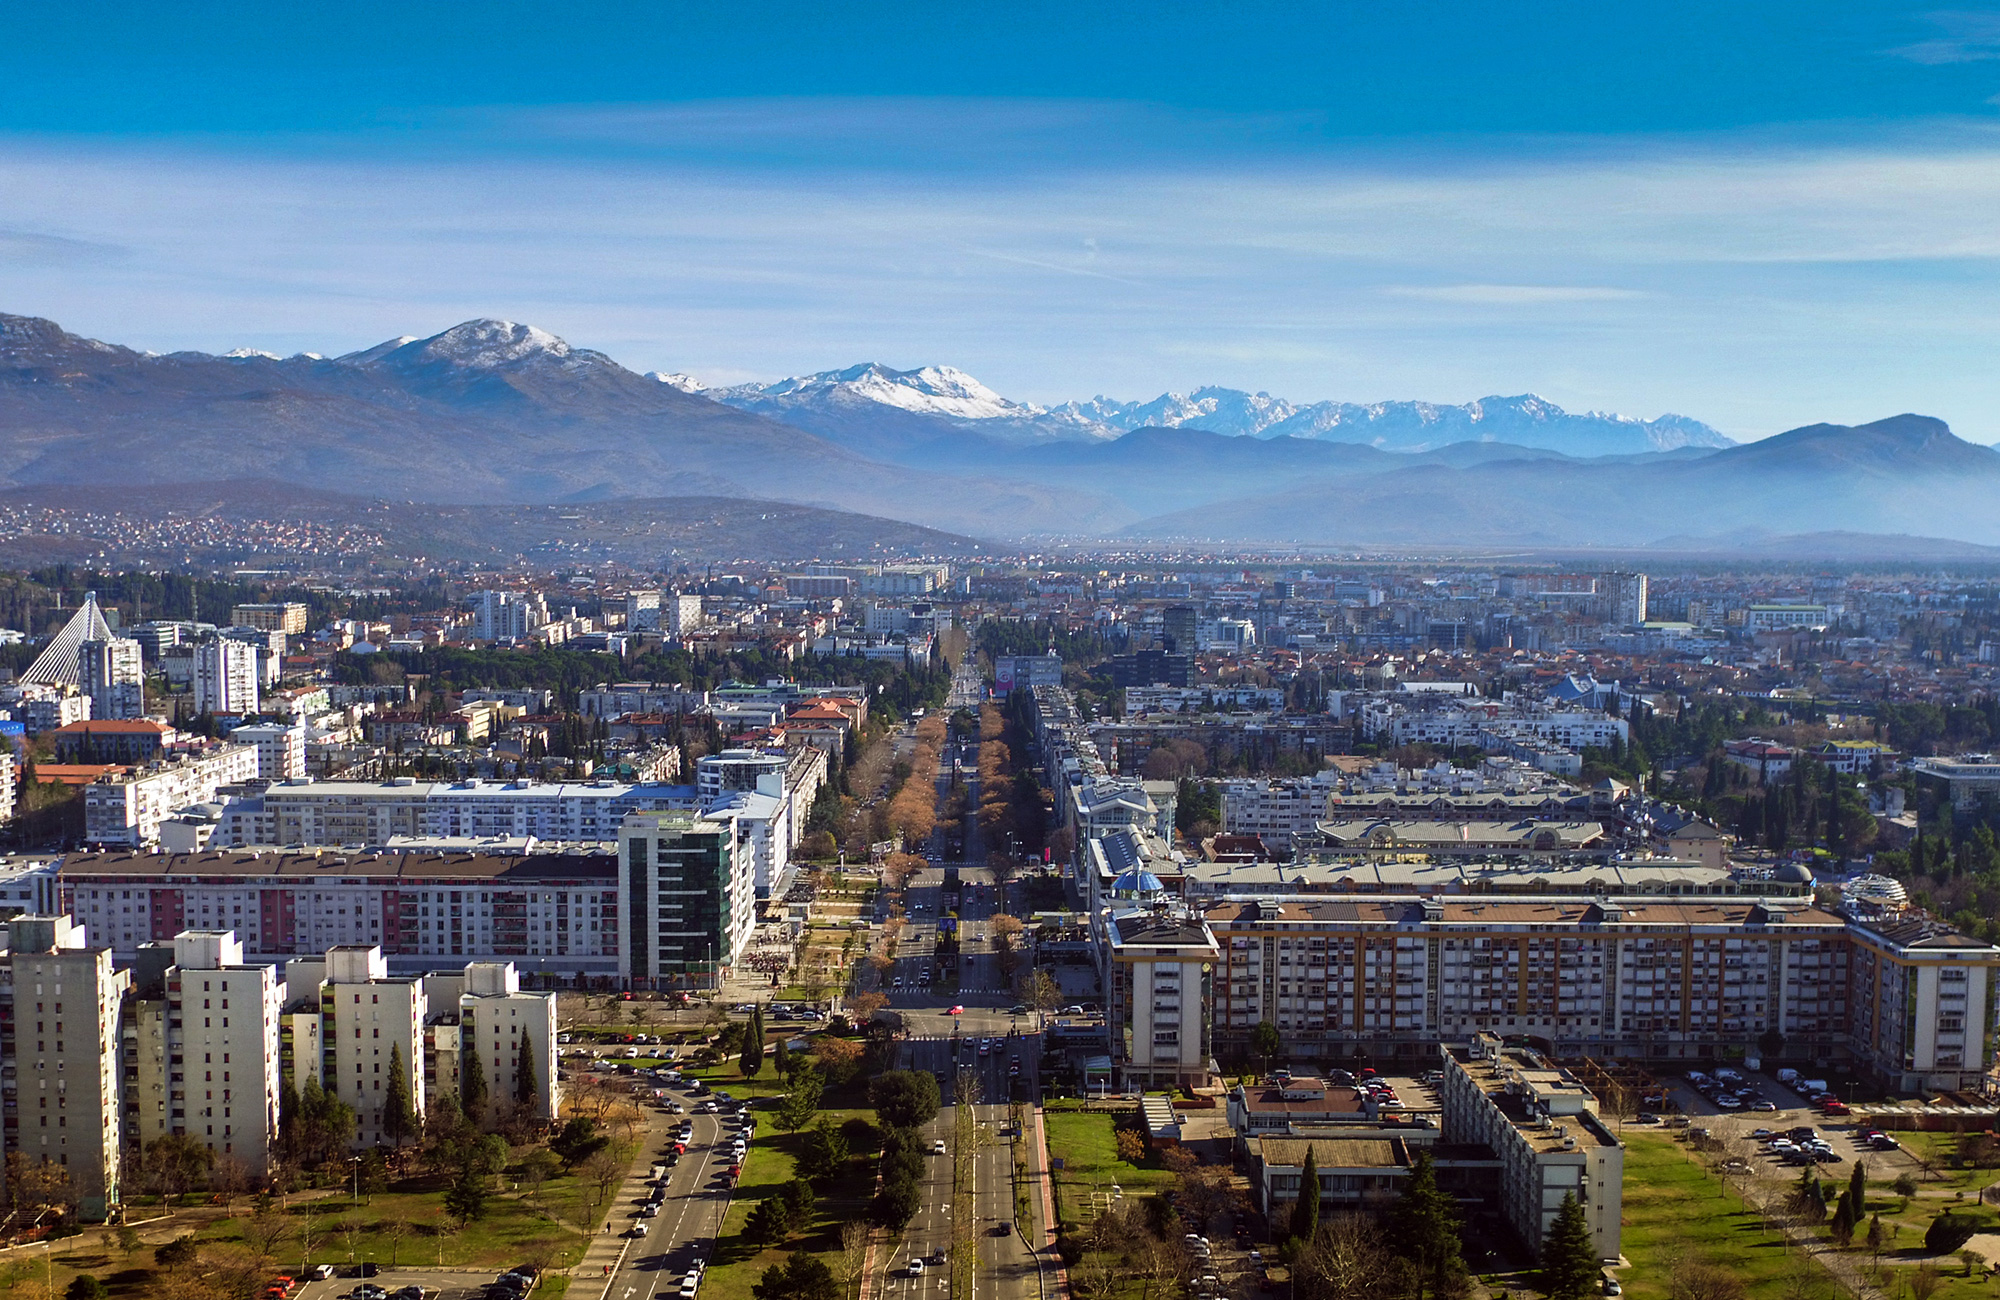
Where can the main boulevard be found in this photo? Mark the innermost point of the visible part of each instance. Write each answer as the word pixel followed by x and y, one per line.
pixel 985 1057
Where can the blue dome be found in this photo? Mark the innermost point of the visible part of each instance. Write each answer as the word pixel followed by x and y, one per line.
pixel 1137 881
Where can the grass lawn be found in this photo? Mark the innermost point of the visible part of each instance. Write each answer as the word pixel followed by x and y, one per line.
pixel 1673 1206
pixel 738 1264
pixel 1083 1141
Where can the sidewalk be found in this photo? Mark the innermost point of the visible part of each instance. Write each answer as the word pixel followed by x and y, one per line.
pixel 1038 1169
pixel 605 1254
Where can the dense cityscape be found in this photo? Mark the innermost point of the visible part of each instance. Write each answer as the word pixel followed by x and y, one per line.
pixel 791 651
pixel 1426 876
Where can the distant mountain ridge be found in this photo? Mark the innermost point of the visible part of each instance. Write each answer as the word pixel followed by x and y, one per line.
pixel 493 414
pixel 486 411
pixel 935 402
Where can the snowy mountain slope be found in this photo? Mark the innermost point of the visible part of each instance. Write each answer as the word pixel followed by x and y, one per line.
pixel 908 414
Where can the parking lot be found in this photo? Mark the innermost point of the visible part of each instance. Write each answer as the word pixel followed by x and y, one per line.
pixel 448 1284
pixel 1756 1140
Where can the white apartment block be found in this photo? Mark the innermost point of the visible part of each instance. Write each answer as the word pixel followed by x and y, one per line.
pixel 202 1052
pixel 483 1009
pixel 556 912
pixel 1923 1013
pixel 1277 810
pixel 281 750
pixel 369 1025
pixel 128 810
pixel 615 701
pixel 9 782
pixel 1196 699
pixel 680 614
pixel 507 615
pixel 227 677
pixel 1544 1126
pixel 642 611
pixel 61 1082
pixel 1158 998
pixel 112 673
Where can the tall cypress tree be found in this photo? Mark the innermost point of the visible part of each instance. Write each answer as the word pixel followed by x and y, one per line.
pixel 472 1081
pixel 1569 1257
pixel 1305 1210
pixel 399 1114
pixel 527 1086
pixel 753 1044
pixel 1857 1191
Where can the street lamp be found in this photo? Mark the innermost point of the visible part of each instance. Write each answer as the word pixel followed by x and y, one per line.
pixel 356 1162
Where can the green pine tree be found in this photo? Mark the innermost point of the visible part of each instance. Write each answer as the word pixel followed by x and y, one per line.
pixel 1423 1228
pixel 1857 1190
pixel 1570 1267
pixel 1305 1210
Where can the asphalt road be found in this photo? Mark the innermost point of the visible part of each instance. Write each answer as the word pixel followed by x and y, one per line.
pixel 698 1194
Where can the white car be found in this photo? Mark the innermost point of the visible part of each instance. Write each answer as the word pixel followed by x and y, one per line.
pixel 916 1268
pixel 937 1147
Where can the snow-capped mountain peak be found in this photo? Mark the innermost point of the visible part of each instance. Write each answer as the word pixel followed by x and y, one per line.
pixel 929 390
pixel 686 383
pixel 485 344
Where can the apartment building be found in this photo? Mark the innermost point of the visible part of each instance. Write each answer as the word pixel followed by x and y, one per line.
pixel 1651 979
pixel 112 672
pixel 370 1029
pixel 1162 963
pixel 507 615
pixel 1921 1011
pixel 132 741
pixel 482 1009
pixel 689 893
pixel 281 750
pixel 556 910
pixel 1969 782
pixel 617 700
pixel 289 617
pixel 306 813
pixel 128 809
pixel 1544 1127
pixel 1276 810
pixel 227 678
pixel 60 1002
pixel 201 1050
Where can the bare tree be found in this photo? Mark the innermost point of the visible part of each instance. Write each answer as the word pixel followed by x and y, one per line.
pixel 263 1230
pixel 1697 1280
pixel 854 1236
pixel 396 1230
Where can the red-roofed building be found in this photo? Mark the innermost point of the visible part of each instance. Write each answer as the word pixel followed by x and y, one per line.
pixel 109 740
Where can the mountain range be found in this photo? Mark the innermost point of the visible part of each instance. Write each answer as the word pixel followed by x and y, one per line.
pixel 491 413
pixel 903 414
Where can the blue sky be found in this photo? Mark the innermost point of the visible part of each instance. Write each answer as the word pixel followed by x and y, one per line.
pixel 1761 219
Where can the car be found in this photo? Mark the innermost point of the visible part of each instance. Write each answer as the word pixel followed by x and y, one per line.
pixel 1764 1105
pixel 649 1210
pixel 689 1286
pixel 1646 1117
pixel 935 1258
pixel 1883 1142
pixel 985 1049
pixel 1762 1134
pixel 1611 1287
pixel 916 1268
pixel 1005 1229
pixel 1018 1009
pixel 636 1230
pixel 938 1147
pixel 407 1293
pixel 368 1291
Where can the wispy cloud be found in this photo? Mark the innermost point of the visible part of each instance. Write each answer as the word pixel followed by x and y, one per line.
pixel 1754 284
pixel 1963 37
pixel 1510 295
